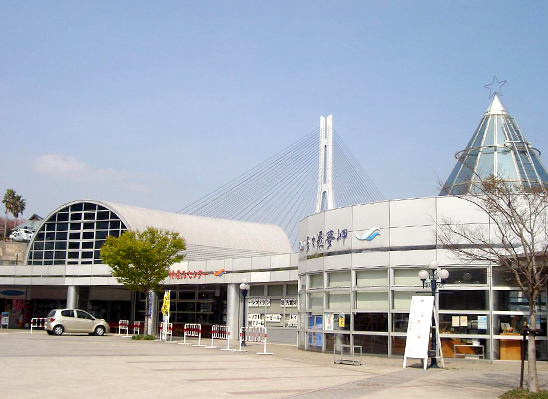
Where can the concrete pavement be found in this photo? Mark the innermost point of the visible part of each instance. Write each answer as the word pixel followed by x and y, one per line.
pixel 81 366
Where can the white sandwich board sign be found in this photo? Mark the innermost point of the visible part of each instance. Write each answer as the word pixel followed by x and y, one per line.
pixel 418 329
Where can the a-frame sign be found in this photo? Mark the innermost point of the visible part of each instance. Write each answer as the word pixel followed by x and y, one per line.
pixel 418 330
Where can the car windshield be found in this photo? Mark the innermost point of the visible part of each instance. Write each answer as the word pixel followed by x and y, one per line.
pixel 51 313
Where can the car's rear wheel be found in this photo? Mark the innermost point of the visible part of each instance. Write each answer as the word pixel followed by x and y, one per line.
pixel 99 331
pixel 49 332
pixel 58 329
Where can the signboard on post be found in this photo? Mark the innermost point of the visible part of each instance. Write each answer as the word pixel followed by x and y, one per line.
pixel 418 329
pixel 165 304
pixel 150 303
pixel 5 322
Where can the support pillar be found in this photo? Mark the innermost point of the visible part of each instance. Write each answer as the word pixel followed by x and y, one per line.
pixel 233 309
pixel 72 297
pixel 132 312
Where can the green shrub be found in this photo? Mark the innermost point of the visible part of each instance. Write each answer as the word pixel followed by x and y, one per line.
pixel 145 337
pixel 519 393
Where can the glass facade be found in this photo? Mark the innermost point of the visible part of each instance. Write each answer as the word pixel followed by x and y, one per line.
pixel 273 306
pixel 203 304
pixel 480 314
pixel 498 148
pixel 74 235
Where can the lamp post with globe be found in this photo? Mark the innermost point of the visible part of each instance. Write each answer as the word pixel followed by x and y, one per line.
pixel 244 287
pixel 437 279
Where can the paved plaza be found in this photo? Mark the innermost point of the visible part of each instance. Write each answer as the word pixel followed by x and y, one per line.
pixel 81 366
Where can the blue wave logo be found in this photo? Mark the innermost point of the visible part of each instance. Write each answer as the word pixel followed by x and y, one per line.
pixel 369 234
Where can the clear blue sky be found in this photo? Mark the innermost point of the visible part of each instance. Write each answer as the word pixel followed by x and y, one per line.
pixel 155 104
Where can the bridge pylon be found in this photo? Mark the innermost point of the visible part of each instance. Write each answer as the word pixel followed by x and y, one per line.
pixel 325 199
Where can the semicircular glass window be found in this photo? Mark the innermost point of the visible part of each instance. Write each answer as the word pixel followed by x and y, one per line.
pixel 74 235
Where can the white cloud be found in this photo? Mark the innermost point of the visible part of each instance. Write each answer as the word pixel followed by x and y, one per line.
pixel 68 168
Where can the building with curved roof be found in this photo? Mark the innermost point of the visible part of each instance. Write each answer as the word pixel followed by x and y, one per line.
pixel 74 233
pixel 351 282
pixel 63 261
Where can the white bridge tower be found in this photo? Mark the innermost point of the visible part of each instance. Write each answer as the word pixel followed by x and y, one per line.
pixel 325 199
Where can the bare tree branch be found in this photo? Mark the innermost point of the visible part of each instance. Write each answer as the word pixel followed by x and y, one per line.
pixel 515 237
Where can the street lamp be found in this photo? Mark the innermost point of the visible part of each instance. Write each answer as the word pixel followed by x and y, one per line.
pixel 244 287
pixel 437 279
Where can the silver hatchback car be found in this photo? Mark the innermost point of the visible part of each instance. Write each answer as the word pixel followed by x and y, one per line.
pixel 60 321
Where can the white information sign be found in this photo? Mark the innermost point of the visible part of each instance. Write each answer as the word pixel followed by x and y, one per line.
pixel 273 318
pixel 258 303
pixel 288 303
pixel 5 322
pixel 291 320
pixel 482 322
pixel 255 319
pixel 418 329
pixel 328 321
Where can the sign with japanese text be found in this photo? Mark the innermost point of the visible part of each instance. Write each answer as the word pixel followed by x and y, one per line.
pixel 194 274
pixel 288 303
pixel 273 318
pixel 255 319
pixel 418 329
pixel 342 319
pixel 150 303
pixel 165 304
pixel 323 241
pixel 257 303
pixel 291 320
pixel 178 274
pixel 329 321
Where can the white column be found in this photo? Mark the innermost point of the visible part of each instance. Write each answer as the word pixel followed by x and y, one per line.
pixel 72 296
pixel 233 309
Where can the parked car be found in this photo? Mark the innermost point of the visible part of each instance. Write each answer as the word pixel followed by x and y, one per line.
pixel 60 321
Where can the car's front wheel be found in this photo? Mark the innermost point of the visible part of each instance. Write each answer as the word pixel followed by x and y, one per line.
pixel 99 331
pixel 58 330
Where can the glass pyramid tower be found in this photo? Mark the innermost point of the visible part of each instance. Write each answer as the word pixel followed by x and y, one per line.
pixel 497 148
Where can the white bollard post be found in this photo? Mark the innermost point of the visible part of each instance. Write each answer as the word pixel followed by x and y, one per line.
pixel 263 334
pixel 241 339
pixel 213 332
pixel 185 334
pixel 199 327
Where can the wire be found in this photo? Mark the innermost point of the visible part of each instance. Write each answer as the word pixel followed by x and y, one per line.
pixel 283 189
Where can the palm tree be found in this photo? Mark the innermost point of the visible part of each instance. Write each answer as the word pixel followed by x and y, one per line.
pixel 19 205
pixel 8 201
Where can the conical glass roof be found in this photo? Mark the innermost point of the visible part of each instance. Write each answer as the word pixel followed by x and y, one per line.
pixel 497 148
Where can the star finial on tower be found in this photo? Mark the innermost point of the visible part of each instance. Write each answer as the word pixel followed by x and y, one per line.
pixel 495 86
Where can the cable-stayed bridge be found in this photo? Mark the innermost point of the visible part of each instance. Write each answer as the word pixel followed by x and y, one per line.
pixel 318 172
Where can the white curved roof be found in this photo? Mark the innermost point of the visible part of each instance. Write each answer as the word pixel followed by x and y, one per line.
pixel 207 238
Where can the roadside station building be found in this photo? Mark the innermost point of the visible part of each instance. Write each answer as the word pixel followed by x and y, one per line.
pixel 350 282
